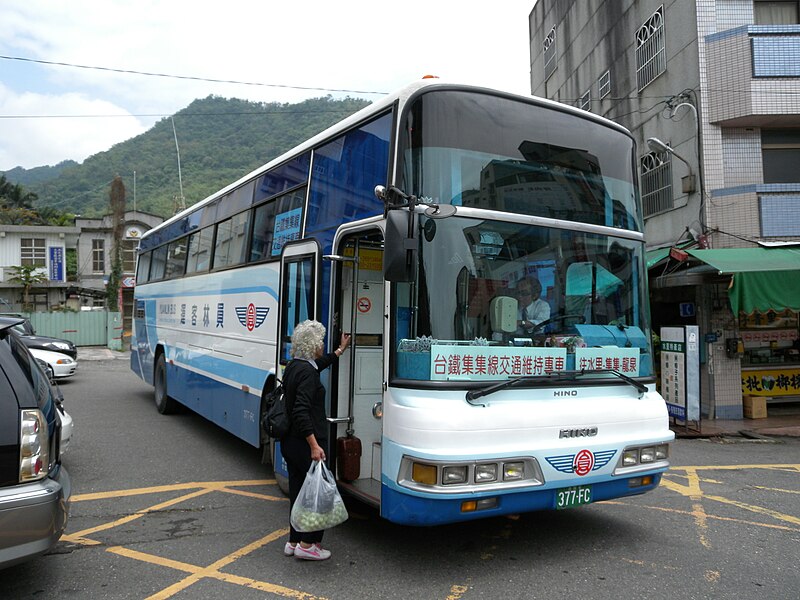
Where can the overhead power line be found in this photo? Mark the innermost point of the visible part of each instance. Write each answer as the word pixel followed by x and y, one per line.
pixel 188 77
pixel 181 114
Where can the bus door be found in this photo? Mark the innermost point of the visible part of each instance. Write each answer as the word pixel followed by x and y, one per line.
pixel 358 308
pixel 298 301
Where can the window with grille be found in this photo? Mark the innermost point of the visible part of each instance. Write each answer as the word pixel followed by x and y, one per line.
pixel 780 12
pixel 549 49
pixel 656 176
pixel 98 256
pixel 32 252
pixel 585 101
pixel 651 54
pixel 604 85
pixel 128 248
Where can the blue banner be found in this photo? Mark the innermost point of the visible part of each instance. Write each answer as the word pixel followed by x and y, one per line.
pixel 56 263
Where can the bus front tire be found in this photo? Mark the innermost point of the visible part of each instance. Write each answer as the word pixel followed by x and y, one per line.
pixel 164 404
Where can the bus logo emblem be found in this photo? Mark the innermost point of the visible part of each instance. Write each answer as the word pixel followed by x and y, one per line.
pixel 252 316
pixel 584 462
pixel 581 463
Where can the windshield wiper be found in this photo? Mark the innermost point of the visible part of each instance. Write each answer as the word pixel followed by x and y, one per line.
pixel 572 375
pixel 473 395
pixel 511 382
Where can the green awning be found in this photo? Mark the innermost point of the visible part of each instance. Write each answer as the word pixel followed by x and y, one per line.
pixel 763 279
pixel 653 257
pixel 750 260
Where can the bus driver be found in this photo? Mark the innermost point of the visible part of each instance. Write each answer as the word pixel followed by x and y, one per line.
pixel 531 309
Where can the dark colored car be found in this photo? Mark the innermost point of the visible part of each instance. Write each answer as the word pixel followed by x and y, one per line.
pixel 28 336
pixel 34 488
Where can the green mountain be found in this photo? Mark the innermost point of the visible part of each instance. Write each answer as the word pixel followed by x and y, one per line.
pixel 28 177
pixel 220 140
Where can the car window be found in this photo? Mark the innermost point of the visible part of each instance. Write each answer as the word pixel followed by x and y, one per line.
pixel 21 329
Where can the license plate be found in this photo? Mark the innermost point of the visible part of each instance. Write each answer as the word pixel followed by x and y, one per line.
pixel 573 496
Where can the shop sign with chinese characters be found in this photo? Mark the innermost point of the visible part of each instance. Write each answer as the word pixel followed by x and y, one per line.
pixel 680 371
pixel 775 381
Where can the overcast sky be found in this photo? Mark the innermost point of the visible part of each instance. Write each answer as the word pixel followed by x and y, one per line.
pixel 49 113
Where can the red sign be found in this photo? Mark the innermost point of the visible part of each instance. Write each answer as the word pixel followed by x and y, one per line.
pixel 584 462
pixel 251 317
pixel 364 304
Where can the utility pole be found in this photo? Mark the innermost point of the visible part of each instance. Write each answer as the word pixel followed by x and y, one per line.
pixel 182 200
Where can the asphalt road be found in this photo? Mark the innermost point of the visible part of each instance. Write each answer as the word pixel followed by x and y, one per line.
pixel 174 507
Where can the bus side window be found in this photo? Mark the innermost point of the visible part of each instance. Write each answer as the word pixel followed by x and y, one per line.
pixel 298 301
pixel 158 263
pixel 143 268
pixel 199 250
pixel 231 237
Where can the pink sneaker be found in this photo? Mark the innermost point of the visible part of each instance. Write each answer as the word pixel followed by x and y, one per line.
pixel 288 549
pixel 313 552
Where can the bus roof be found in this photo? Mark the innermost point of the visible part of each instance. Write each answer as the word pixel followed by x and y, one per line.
pixel 377 107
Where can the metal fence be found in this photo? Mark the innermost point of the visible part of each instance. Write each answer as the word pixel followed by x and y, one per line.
pixel 84 328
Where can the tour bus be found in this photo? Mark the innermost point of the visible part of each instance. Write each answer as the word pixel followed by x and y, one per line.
pixel 412 224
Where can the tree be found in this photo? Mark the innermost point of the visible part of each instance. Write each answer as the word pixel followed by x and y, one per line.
pixel 117 198
pixel 15 196
pixel 28 276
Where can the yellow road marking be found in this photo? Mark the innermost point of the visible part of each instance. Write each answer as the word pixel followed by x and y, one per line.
pixel 691 489
pixel 76 537
pixel 212 485
pixel 770 489
pixel 678 511
pixel 757 509
pixel 456 592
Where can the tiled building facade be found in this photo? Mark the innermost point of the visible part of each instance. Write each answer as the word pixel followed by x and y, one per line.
pixel 718 81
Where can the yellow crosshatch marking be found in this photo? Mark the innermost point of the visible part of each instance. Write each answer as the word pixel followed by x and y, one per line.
pixel 686 481
pixel 194 573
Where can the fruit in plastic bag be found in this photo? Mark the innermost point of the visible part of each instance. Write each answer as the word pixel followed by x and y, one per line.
pixel 318 505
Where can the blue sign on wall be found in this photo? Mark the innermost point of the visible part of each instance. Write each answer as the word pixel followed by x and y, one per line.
pixel 56 263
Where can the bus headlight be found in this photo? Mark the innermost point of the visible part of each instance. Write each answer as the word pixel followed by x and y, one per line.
pixel 457 474
pixel 480 475
pixel 513 471
pixel 630 458
pixel 485 473
pixel 647 455
pixel 642 456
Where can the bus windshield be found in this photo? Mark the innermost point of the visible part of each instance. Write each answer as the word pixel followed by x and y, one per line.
pixel 494 299
pixel 499 296
pixel 485 151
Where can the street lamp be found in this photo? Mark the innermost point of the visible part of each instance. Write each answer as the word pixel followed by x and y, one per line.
pixel 688 184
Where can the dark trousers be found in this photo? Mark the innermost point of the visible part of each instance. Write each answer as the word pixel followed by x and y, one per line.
pixel 298 461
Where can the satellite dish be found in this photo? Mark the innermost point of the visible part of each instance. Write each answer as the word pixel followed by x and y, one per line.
pixel 440 211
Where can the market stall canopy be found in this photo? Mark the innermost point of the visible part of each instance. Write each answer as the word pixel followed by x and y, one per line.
pixel 763 279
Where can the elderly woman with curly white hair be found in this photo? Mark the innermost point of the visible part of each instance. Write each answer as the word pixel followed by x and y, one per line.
pixel 307 438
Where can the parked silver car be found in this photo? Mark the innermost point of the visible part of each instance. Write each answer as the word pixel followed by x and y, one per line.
pixel 34 488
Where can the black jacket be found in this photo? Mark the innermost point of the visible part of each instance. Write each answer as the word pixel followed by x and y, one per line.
pixel 305 397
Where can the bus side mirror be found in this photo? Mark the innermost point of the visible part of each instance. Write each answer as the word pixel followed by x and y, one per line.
pixel 400 247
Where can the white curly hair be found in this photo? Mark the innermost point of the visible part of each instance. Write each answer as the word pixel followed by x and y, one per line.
pixel 307 340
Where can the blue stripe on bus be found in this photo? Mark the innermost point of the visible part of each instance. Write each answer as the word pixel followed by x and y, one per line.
pixel 405 509
pixel 240 374
pixel 231 408
pixel 143 295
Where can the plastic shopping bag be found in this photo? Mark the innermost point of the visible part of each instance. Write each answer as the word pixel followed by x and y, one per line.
pixel 319 505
